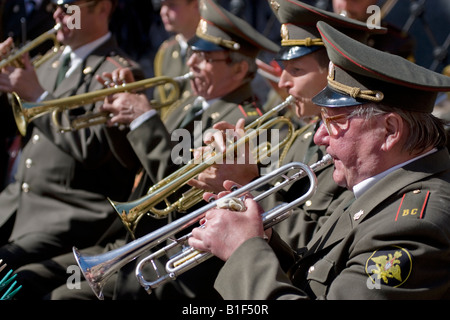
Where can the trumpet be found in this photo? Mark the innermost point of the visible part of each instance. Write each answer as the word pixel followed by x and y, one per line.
pixel 25 112
pixel 97 269
pixel 131 212
pixel 13 58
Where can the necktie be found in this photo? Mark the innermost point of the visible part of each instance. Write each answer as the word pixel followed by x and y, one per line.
pixel 192 113
pixel 65 64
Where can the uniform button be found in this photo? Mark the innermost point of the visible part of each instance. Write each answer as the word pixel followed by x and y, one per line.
pixel 25 187
pixel 35 138
pixel 308 203
pixel 28 163
pixel 311 269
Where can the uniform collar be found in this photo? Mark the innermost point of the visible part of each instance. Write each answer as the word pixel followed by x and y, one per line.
pixel 78 55
pixel 365 185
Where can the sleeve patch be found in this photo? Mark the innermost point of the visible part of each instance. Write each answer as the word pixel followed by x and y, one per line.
pixel 390 266
pixel 413 205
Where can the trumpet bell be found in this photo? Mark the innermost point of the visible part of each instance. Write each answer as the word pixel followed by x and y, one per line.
pixel 88 266
pixel 25 112
pixel 19 116
pixel 127 213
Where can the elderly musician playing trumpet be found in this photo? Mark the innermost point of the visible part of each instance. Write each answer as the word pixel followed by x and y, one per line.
pixel 390 238
pixel 222 61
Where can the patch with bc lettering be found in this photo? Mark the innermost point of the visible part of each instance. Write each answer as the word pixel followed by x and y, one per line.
pixel 413 205
pixel 390 266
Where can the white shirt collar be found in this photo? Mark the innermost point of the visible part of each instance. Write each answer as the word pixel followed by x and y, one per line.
pixel 78 55
pixel 183 44
pixel 205 103
pixel 364 185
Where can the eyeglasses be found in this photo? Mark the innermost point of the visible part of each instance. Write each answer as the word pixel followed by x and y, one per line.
pixel 205 56
pixel 65 7
pixel 335 124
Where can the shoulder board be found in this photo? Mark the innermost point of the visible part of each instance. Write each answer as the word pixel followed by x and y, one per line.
pixel 119 61
pixel 413 205
pixel 250 109
pixel 167 43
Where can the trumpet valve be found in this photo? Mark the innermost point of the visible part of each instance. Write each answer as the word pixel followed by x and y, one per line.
pixel 233 204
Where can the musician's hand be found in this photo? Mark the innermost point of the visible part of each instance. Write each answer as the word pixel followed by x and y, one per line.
pixel 223 230
pixel 124 107
pixel 23 81
pixel 118 77
pixel 228 186
pixel 6 47
pixel 238 165
pixel 213 177
pixel 223 134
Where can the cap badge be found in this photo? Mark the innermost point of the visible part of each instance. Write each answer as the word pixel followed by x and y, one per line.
pixel 331 70
pixel 275 5
pixel 284 32
pixel 203 26
pixel 202 29
pixel 202 5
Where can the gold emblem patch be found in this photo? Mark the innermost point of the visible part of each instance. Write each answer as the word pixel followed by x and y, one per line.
pixel 389 266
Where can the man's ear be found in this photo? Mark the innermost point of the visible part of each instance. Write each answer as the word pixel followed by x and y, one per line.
pixel 240 70
pixel 105 7
pixel 394 130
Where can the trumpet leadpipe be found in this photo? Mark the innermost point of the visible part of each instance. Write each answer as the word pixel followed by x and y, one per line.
pixel 15 55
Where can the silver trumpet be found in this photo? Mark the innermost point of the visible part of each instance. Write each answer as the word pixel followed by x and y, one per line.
pixel 97 269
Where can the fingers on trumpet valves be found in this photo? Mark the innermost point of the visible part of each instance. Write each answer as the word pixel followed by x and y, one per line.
pixel 233 204
pixel 119 81
pixel 107 83
pixel 113 82
pixel 221 139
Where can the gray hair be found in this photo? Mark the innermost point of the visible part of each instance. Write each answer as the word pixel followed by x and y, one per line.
pixel 425 129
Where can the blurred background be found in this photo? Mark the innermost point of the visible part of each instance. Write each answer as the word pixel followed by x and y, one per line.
pixel 139 30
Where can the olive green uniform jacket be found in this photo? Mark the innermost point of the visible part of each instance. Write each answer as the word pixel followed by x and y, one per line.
pixel 390 243
pixel 64 179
